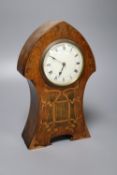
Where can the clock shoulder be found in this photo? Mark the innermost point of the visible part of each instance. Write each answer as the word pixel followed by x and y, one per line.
pixel 30 42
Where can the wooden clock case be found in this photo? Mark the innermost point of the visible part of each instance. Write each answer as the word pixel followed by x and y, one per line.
pixel 54 111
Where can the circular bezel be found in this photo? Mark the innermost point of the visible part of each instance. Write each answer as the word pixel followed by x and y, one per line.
pixel 43 57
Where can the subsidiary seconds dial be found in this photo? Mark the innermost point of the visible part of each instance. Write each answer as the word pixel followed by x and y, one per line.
pixel 63 63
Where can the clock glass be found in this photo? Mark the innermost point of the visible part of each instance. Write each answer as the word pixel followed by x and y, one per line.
pixel 63 63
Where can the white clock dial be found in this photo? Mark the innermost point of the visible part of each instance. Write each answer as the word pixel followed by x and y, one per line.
pixel 63 63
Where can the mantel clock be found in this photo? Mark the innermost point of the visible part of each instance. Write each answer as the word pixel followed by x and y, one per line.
pixel 57 62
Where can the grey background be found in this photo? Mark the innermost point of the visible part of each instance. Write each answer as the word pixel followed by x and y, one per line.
pixel 97 21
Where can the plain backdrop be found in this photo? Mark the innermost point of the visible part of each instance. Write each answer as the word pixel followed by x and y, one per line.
pixel 97 21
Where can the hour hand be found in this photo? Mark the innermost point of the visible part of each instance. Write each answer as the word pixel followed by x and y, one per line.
pixel 60 73
pixel 63 65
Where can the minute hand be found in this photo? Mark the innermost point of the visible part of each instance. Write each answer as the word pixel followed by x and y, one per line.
pixel 56 59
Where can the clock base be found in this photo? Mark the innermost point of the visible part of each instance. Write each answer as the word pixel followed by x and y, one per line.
pixel 44 139
pixel 35 145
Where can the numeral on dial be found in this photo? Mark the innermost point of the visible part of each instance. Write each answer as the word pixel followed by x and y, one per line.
pixel 56 49
pixel 50 72
pixel 64 47
pixel 71 49
pixel 48 64
pixel 76 55
pixel 63 79
pixel 75 70
pixel 55 78
pixel 77 63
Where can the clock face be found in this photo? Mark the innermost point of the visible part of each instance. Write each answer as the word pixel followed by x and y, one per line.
pixel 63 63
